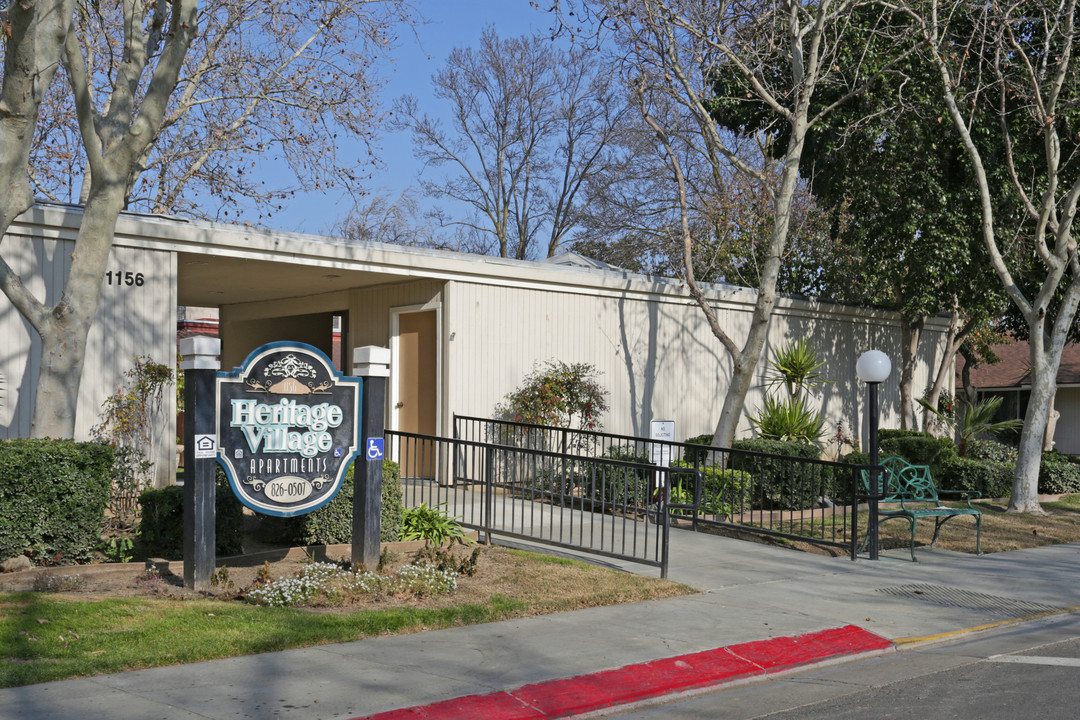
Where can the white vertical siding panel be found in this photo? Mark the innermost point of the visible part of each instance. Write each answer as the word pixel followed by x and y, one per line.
pixel 659 360
pixel 129 321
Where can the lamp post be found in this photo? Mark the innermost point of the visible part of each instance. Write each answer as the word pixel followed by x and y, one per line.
pixel 873 368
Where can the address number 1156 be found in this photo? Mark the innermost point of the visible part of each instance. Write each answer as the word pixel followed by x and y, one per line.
pixel 124 278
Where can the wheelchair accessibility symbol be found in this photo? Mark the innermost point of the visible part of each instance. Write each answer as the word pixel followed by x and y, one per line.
pixel 375 448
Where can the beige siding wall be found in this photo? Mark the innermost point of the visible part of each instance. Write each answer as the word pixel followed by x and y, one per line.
pixel 132 320
pixel 244 327
pixel 1067 432
pixel 658 359
pixel 369 308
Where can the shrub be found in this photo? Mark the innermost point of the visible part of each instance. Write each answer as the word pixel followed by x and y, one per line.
pixel 991 479
pixel 856 458
pixel 557 394
pixel 921 449
pixel 779 482
pixel 991 450
pixel 332 523
pixel 129 418
pixel 694 456
pixel 889 433
pixel 1057 475
pixel 52 498
pixel 430 524
pixel 723 492
pixel 617 484
pixel 161 526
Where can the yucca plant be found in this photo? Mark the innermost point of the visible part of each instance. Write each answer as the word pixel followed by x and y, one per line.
pixel 795 366
pixel 789 419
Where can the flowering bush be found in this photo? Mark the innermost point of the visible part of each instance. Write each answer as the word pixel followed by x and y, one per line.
pixel 558 394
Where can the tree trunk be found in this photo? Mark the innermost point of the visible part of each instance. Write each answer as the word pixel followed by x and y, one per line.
pixel 745 363
pixel 734 403
pixel 1025 490
pixel 910 331
pixel 63 339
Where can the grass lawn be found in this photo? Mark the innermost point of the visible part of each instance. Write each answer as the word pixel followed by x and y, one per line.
pixel 52 636
pixel 1001 531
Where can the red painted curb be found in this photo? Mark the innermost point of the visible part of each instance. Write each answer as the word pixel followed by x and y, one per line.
pixel 633 683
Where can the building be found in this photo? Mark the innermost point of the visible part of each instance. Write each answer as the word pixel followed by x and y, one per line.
pixel 1010 379
pixel 463 329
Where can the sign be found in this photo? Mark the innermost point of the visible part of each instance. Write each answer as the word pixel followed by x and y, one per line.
pixel 287 425
pixel 205 447
pixel 375 449
pixel 660 453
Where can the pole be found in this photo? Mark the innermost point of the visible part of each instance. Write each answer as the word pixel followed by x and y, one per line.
pixel 872 527
pixel 373 365
pixel 199 363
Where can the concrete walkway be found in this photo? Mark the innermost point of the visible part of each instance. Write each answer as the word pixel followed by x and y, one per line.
pixel 751 593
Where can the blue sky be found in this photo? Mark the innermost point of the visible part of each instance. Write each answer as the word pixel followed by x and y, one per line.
pixel 452 23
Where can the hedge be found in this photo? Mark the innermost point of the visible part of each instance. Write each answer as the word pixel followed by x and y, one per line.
pixel 161 525
pixel 695 456
pixel 921 449
pixel 53 495
pixel 781 484
pixel 724 491
pixel 1058 475
pixel 891 433
pixel 332 523
pixel 991 479
pixel 616 484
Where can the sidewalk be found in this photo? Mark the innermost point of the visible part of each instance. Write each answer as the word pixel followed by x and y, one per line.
pixel 767 606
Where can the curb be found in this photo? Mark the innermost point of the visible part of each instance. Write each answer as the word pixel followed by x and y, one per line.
pixel 644 681
pixel 905 642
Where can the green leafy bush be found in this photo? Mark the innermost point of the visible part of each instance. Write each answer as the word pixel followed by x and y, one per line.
pixel 921 449
pixel 1058 475
pixel 332 523
pixel 53 495
pixel 161 525
pixel 856 458
pixel 724 491
pixel 694 456
pixel 890 433
pixel 780 483
pixel 430 524
pixel 991 479
pixel 619 485
pixel 991 450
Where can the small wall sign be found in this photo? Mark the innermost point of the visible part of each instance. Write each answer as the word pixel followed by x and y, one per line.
pixel 287 425
pixel 660 453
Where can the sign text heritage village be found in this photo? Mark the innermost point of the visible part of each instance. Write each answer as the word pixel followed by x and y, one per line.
pixel 287 426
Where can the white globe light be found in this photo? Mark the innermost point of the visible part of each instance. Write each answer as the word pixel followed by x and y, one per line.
pixel 873 366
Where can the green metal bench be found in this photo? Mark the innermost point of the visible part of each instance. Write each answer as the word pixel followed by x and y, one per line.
pixel 913 489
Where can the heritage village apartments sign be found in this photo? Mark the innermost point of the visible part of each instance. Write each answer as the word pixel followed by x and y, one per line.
pixel 287 428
